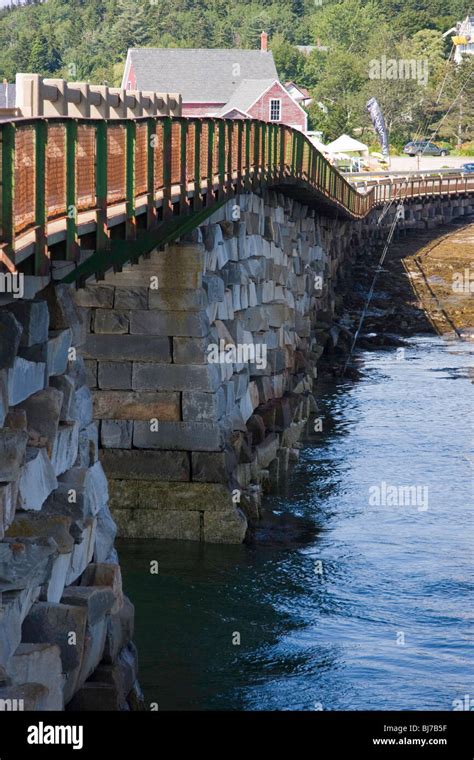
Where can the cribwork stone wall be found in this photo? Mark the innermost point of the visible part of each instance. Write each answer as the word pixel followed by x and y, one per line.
pixel 201 361
pixel 65 626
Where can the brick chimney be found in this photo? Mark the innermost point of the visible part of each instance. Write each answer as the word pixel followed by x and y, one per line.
pixel 264 42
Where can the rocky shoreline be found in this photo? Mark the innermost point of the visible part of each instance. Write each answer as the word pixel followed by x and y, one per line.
pixel 417 292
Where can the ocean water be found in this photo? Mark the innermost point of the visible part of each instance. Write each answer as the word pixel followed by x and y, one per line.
pixel 368 605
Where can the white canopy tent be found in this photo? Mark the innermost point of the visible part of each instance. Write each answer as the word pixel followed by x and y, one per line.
pixel 349 146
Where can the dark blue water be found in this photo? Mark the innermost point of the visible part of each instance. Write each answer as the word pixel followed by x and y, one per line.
pixel 387 624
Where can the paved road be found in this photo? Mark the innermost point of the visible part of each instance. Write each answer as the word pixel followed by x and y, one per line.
pixel 427 163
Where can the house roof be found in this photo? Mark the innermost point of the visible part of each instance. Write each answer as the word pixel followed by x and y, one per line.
pixel 246 94
pixel 232 113
pixel 302 90
pixel 199 75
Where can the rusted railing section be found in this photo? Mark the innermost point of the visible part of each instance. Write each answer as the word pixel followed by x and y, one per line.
pixel 71 172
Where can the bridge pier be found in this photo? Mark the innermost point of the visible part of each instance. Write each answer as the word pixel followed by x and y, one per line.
pixel 201 361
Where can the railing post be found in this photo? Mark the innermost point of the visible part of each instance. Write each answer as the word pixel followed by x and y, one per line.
pixel 293 153
pixel 197 204
pixel 41 242
pixel 297 155
pixel 7 195
pixel 130 223
pixel 248 180
pixel 316 168
pixel 102 235
pixel 210 163
pixel 72 245
pixel 240 131
pixel 167 210
pixel 229 125
pixel 264 150
pixel 256 163
pixel 150 174
pixel 276 158
pixel 282 150
pixel 300 167
pixel 183 196
pixel 271 151
pixel 221 164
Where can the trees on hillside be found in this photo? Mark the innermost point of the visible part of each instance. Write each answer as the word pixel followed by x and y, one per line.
pixel 347 24
pixel 454 114
pixel 44 57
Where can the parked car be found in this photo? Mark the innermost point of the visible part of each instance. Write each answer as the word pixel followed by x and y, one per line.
pixel 467 168
pixel 424 148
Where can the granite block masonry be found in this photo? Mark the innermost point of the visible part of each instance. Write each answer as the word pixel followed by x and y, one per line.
pixel 58 567
pixel 202 359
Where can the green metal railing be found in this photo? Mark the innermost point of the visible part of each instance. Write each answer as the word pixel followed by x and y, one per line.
pixel 64 173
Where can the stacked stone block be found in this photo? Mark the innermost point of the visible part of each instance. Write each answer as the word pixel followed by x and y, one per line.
pixel 61 599
pixel 188 438
pixel 188 443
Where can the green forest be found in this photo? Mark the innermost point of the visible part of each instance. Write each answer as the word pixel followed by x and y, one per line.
pixel 88 40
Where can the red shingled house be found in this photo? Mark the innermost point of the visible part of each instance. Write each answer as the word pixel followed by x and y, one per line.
pixel 231 83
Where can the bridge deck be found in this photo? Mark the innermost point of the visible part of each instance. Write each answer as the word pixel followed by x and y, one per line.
pixel 65 178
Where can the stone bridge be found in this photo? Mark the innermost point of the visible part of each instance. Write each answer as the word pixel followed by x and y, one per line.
pixel 168 287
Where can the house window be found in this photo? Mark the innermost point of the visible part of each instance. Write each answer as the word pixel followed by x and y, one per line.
pixel 275 109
